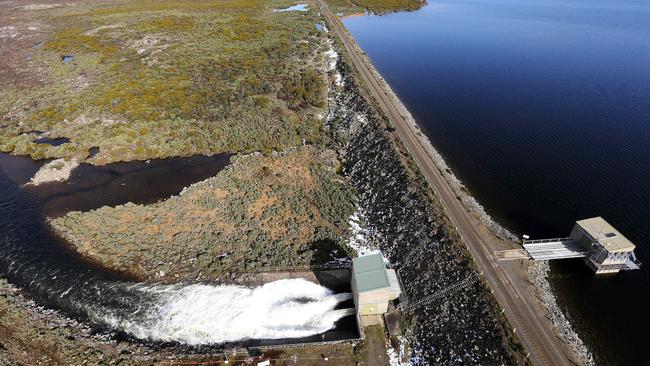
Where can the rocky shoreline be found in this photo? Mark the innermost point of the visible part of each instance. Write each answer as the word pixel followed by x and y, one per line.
pixel 538 274
pixel 33 335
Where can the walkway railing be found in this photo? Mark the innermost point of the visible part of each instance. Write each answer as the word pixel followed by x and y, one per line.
pixel 544 241
pixel 463 284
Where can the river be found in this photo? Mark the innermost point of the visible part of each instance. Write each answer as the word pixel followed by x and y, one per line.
pixel 541 108
pixel 34 258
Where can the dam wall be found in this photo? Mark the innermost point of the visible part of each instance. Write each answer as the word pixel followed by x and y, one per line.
pixel 413 233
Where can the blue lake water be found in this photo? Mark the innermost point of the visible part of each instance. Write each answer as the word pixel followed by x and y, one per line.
pixel 542 108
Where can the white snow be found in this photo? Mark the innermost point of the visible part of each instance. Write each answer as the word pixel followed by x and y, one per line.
pixel 359 238
pixel 331 58
pixel 297 7
pixel 395 358
pixel 338 79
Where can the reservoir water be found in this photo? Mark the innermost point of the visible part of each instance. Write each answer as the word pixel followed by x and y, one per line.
pixel 542 108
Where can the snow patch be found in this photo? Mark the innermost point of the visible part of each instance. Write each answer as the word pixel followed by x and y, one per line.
pixel 338 79
pixel 297 7
pixel 331 58
pixel 396 357
pixel 360 234
pixel 40 6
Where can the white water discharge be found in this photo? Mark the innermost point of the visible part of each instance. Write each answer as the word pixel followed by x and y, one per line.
pixel 204 314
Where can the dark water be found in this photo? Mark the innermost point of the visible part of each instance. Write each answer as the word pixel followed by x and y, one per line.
pixel 53 142
pixel 35 259
pixel 90 187
pixel 32 257
pixel 543 109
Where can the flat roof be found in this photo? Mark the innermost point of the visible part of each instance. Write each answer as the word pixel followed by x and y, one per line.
pixel 606 234
pixel 369 272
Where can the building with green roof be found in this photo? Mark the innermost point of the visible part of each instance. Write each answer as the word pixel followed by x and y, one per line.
pixel 372 286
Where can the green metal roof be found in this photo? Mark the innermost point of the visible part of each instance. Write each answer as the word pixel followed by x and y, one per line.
pixel 370 272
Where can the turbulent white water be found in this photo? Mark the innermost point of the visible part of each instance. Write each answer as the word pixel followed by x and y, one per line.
pixel 203 314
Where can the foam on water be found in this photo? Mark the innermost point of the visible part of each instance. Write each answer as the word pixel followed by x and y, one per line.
pixel 205 314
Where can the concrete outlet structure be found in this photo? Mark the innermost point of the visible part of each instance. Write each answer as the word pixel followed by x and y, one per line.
pixel 373 285
pixel 604 249
pixel 609 251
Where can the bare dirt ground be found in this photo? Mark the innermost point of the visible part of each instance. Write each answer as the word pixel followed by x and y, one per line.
pixel 375 348
pixel 19 39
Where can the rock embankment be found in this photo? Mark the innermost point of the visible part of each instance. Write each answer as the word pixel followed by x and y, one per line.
pixel 33 335
pixel 416 237
pixel 538 274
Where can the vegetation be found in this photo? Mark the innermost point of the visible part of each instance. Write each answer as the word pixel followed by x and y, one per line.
pixel 386 6
pixel 373 347
pixel 287 209
pixel 152 79
pixel 349 7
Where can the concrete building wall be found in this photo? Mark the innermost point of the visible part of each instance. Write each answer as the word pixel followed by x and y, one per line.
pixel 373 309
pixel 373 302
pixel 395 287
pixel 581 236
pixel 355 292
pixel 601 260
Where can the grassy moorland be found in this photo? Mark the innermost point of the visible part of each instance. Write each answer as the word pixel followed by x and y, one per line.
pixel 348 7
pixel 284 209
pixel 151 79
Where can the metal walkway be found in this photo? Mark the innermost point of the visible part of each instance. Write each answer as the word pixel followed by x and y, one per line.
pixel 463 284
pixel 559 248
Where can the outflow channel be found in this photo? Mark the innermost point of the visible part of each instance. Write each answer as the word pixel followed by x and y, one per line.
pixel 33 258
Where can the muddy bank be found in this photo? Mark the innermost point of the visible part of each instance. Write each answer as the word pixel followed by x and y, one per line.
pixel 413 233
